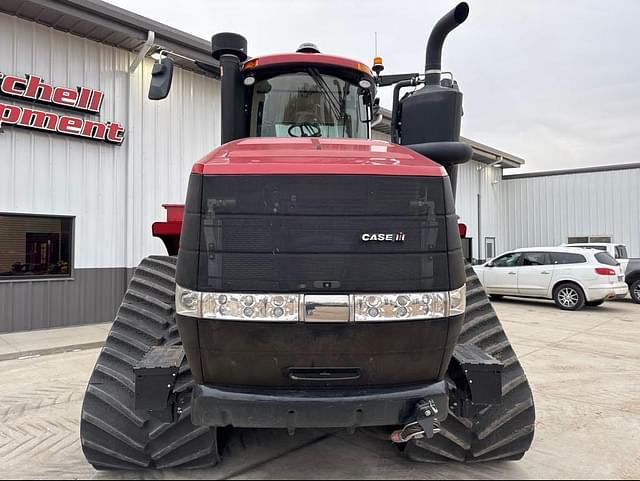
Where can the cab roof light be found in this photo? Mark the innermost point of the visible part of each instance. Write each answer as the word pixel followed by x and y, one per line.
pixel 249 64
pixel 377 65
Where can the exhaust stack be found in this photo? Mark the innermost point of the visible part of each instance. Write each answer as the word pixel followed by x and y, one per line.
pixel 230 49
pixel 433 60
pixel 428 120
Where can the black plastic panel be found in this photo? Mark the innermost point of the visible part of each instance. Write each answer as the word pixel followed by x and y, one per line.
pixel 301 233
pixel 333 195
pixel 262 354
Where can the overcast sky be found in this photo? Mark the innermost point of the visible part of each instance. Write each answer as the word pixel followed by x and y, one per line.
pixel 554 82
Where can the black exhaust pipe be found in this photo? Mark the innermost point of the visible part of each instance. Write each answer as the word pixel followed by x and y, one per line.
pixel 230 49
pixel 433 61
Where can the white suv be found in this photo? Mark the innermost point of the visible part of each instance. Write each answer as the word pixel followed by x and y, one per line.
pixel 572 277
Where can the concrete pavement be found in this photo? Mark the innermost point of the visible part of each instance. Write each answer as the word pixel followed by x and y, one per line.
pixel 18 345
pixel 583 367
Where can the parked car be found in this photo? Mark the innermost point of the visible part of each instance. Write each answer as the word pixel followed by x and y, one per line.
pixel 572 277
pixel 630 266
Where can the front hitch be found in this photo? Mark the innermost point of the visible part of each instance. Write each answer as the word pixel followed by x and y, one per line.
pixel 426 425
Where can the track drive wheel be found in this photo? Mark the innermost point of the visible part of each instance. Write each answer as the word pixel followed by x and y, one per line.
pixel 113 435
pixel 502 432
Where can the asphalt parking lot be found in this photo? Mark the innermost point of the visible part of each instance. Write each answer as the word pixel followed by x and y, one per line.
pixel 584 368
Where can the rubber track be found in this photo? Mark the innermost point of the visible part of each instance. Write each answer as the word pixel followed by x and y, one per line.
pixel 502 432
pixel 113 435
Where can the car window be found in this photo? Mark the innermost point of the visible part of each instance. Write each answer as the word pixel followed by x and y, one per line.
pixel 621 252
pixel 606 259
pixel 507 260
pixel 535 259
pixel 567 258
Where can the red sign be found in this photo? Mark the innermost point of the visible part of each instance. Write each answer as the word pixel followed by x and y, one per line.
pixel 82 99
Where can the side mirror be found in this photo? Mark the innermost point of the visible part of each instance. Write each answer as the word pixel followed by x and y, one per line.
pixel 377 112
pixel 364 100
pixel 490 264
pixel 161 78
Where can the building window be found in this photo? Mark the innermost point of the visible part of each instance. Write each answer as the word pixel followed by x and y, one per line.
pixel 35 246
pixel 600 239
pixel 590 239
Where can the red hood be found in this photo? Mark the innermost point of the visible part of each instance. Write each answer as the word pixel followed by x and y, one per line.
pixel 267 155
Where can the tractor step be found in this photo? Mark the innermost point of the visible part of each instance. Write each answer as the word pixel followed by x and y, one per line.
pixel 155 377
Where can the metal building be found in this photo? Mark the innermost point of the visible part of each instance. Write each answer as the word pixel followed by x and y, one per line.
pixel 550 208
pixel 78 212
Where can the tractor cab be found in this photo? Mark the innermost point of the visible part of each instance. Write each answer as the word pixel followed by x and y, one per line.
pixel 307 94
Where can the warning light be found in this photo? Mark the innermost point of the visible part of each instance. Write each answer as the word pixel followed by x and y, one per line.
pixel 377 65
pixel 249 64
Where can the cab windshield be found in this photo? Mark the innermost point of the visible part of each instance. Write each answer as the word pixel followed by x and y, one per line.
pixel 309 104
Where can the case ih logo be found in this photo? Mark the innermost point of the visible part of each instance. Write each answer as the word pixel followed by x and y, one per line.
pixel 82 99
pixel 384 237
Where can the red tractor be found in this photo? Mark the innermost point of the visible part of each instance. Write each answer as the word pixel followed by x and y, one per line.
pixel 315 279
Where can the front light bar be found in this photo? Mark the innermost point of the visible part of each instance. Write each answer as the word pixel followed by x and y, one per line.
pixel 297 307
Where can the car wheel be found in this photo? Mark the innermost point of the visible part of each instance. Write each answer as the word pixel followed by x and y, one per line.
pixel 634 290
pixel 569 297
pixel 594 303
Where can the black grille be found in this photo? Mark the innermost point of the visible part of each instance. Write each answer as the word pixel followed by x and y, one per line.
pixel 304 233
pixel 315 234
pixel 326 195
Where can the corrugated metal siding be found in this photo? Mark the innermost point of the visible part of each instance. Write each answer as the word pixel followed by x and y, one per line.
pixel 548 210
pixel 52 174
pixel 165 139
pixel 92 296
pixel 467 200
pixel 114 192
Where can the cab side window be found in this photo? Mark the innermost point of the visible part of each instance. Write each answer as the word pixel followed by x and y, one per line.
pixel 507 260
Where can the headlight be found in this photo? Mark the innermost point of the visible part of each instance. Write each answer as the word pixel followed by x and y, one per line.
pixel 188 303
pixel 250 307
pixel 458 301
pixel 399 307
pixel 289 307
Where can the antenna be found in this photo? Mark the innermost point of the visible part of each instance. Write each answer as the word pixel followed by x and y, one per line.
pixel 375 34
pixel 377 61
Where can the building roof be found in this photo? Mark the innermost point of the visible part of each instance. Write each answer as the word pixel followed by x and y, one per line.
pixel 105 23
pixel 481 153
pixel 583 170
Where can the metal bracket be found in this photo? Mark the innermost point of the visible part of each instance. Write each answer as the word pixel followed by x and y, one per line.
pixel 426 412
pixel 144 50
pixel 155 378
pixel 476 378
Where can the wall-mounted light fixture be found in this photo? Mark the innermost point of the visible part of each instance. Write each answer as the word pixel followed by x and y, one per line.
pixel 497 164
